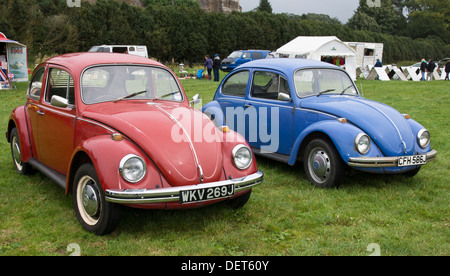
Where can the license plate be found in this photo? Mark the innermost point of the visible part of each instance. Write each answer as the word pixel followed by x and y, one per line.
pixel 412 160
pixel 196 195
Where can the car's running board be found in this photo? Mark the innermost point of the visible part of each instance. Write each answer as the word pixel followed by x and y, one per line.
pixel 272 155
pixel 60 179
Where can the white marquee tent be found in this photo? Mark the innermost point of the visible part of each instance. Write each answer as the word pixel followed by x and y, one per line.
pixel 325 48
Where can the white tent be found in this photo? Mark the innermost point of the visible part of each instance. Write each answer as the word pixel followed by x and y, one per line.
pixel 325 48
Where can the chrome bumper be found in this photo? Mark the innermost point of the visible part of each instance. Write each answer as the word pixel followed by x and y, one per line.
pixel 172 194
pixel 382 162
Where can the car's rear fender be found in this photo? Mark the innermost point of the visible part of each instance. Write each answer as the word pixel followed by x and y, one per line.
pixel 18 120
pixel 214 112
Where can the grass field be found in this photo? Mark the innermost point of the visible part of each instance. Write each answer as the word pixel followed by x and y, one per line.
pixel 285 215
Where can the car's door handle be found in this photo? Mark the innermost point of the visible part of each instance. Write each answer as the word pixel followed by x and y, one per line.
pixel 248 105
pixel 40 112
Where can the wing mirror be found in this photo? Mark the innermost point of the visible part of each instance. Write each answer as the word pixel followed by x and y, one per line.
pixel 59 101
pixel 284 97
pixel 196 101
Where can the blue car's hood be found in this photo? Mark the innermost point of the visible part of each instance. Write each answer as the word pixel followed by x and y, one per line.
pixel 386 126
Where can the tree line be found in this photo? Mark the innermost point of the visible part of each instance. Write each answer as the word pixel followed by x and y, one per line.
pixel 183 32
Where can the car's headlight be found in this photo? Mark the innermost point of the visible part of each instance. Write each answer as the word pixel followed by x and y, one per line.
pixel 423 138
pixel 242 157
pixel 132 168
pixel 362 143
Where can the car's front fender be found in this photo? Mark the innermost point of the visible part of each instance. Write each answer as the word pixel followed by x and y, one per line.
pixel 105 154
pixel 341 134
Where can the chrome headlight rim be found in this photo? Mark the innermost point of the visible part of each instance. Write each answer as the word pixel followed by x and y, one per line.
pixel 123 164
pixel 235 154
pixel 358 145
pixel 421 132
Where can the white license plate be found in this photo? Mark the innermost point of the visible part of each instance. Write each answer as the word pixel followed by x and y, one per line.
pixel 197 195
pixel 412 160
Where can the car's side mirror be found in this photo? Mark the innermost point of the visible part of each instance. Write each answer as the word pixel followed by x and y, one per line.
pixel 195 100
pixel 284 97
pixel 59 101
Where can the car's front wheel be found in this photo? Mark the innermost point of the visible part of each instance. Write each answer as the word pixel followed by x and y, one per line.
pixel 322 163
pixel 93 212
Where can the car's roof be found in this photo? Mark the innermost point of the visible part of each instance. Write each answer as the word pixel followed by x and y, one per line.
pixel 288 65
pixel 79 61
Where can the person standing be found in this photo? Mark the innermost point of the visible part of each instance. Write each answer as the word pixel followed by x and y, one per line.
pixel 447 69
pixel 208 66
pixel 430 69
pixel 423 68
pixel 378 63
pixel 216 67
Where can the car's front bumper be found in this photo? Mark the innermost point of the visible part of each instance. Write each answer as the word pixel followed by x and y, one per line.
pixel 172 194
pixel 383 162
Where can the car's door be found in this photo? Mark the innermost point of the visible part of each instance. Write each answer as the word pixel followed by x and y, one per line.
pixel 35 89
pixel 56 121
pixel 232 99
pixel 269 98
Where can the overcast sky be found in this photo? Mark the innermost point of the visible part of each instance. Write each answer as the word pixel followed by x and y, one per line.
pixel 341 9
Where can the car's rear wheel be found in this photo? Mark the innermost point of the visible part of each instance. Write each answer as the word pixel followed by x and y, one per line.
pixel 93 212
pixel 322 163
pixel 21 167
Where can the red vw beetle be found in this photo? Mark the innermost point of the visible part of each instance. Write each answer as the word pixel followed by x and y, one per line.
pixel 118 129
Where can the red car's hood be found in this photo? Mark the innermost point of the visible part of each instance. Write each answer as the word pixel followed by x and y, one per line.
pixel 172 135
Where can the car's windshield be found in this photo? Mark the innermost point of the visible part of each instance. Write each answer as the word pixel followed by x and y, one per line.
pixel 121 82
pixel 316 82
pixel 235 54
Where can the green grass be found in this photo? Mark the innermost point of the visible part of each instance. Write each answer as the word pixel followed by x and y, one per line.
pixel 285 215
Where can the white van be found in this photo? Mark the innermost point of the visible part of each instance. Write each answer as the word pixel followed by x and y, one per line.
pixel 136 50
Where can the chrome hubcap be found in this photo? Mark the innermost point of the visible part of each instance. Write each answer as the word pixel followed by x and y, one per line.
pixel 90 200
pixel 319 165
pixel 16 153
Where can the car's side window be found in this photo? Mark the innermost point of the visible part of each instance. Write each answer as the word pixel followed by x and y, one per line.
pixel 34 90
pixel 236 85
pixel 257 55
pixel 268 85
pixel 60 83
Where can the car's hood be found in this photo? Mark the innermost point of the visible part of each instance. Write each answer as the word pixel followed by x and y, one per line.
pixel 171 135
pixel 385 125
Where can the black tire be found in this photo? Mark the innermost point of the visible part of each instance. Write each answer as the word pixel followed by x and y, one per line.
pixel 323 164
pixel 94 213
pixel 20 166
pixel 240 201
pixel 412 173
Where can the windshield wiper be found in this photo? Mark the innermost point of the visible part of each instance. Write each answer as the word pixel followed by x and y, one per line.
pixel 325 91
pixel 343 91
pixel 166 95
pixel 129 96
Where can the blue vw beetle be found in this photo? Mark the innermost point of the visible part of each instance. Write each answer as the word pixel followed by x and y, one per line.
pixel 302 110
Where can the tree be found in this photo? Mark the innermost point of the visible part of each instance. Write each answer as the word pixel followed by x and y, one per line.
pixel 264 6
pixel 361 21
pixel 184 3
